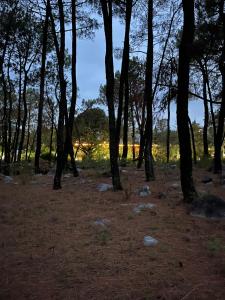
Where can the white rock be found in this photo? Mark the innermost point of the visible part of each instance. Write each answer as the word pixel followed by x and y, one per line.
pixel 143 206
pixel 8 179
pixel 102 222
pixel 150 241
pixel 104 187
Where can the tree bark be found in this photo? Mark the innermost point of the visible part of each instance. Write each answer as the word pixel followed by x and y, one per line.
pixel 124 84
pixel 185 48
pixel 148 98
pixel 220 128
pixel 60 50
pixel 113 144
pixel 42 87
pixel 24 121
pixel 193 141
pixel 68 147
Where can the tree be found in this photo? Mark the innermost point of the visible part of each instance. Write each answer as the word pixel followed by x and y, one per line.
pixel 42 86
pixel 185 49
pixel 106 7
pixel 148 98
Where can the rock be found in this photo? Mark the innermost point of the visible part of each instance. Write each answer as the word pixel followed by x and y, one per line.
pixel 175 185
pixel 104 187
pixel 68 175
pixel 7 179
pixel 102 222
pixel 142 207
pixel 150 241
pixel 207 179
pixel 144 191
pixel 38 175
pixel 209 206
pixel 173 167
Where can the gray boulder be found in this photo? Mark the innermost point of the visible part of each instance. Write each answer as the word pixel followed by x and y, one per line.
pixel 209 206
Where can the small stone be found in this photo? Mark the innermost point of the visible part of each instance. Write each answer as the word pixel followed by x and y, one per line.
pixel 142 207
pixel 8 179
pixel 104 187
pixel 150 241
pixel 173 167
pixel 175 185
pixel 68 175
pixel 207 179
pixel 102 222
pixel 144 191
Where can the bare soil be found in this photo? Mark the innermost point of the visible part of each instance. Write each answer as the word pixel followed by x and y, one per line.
pixel 50 247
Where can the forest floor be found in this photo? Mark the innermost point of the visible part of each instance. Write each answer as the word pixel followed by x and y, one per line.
pixel 51 247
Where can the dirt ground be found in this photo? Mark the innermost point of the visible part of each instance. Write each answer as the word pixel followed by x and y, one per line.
pixel 50 247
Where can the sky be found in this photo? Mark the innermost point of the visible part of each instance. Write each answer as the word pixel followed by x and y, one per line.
pixel 91 69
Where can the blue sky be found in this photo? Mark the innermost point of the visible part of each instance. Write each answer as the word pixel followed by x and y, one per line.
pixel 91 69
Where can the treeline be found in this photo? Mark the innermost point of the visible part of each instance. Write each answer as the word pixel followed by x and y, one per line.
pixel 172 51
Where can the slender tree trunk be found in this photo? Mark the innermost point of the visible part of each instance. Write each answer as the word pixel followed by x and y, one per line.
pixel 124 84
pixel 24 121
pixel 206 120
pixel 193 141
pixel 68 148
pixel 133 131
pixel 206 111
pixel 168 114
pixel 220 127
pixel 10 108
pixel 28 134
pixel 17 133
pixel 42 87
pixel 125 123
pixel 168 129
pixel 142 138
pixel 62 102
pixel 187 183
pixel 148 98
pixel 113 144
pixel 211 102
pixel 5 119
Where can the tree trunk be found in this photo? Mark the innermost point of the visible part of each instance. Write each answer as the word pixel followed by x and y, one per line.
pixel 148 98
pixel 124 83
pixel 168 114
pixel 187 183
pixel 28 134
pixel 5 116
pixel 220 127
pixel 142 138
pixel 193 141
pixel 206 120
pixel 42 87
pixel 68 148
pixel 62 101
pixel 206 111
pixel 17 133
pixel 24 121
pixel 113 144
pixel 133 131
